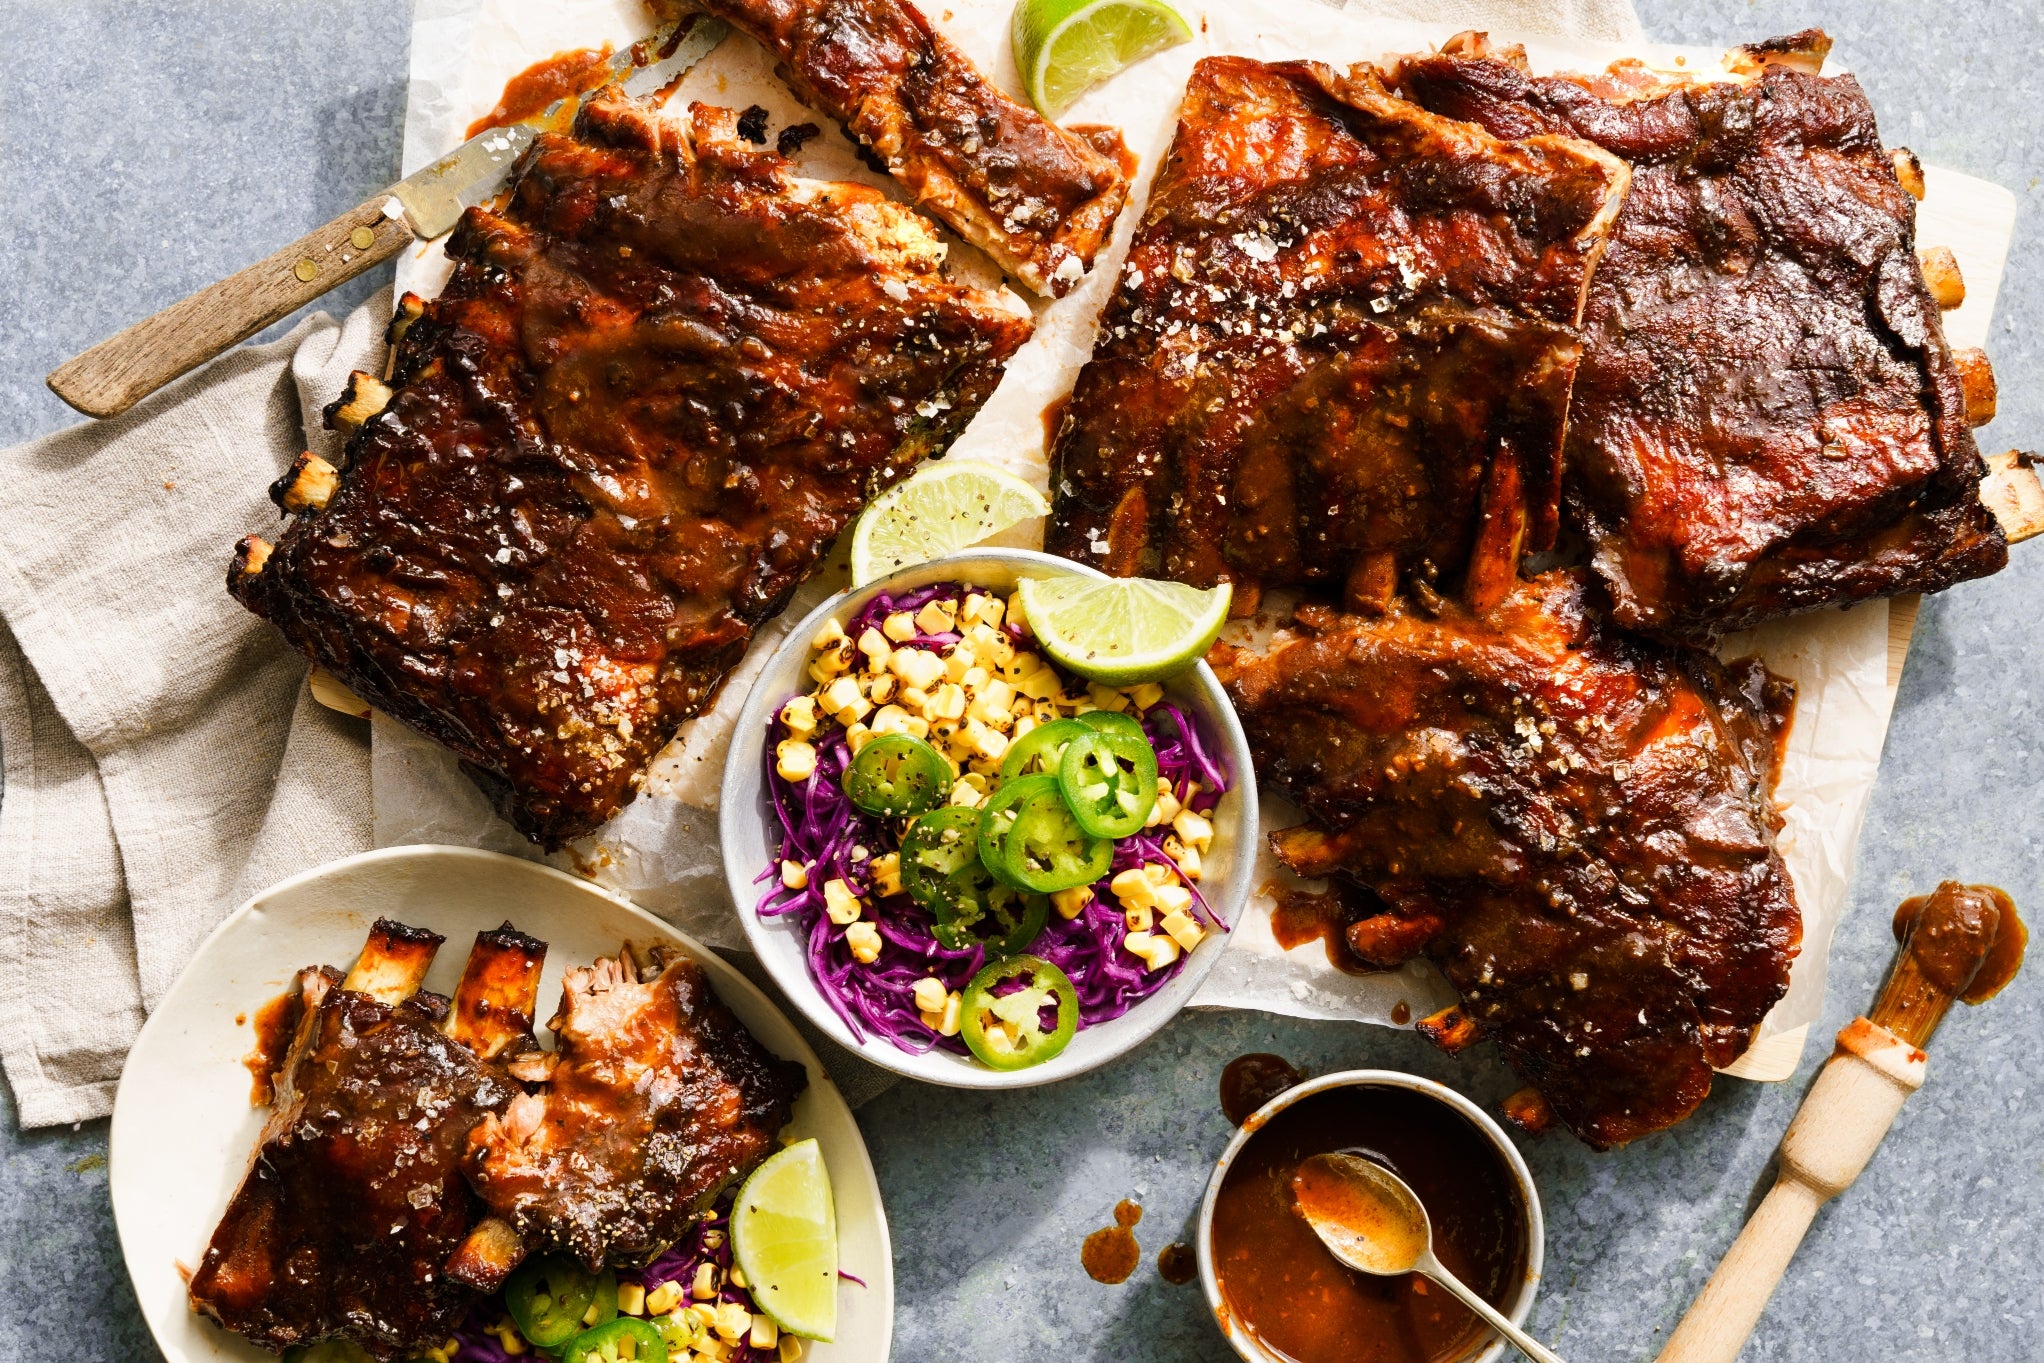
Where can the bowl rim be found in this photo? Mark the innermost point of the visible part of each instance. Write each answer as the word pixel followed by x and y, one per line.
pixel 742 781
pixel 1520 1307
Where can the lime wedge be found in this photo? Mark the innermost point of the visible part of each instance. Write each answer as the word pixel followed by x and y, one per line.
pixel 1122 630
pixel 784 1236
pixel 1066 47
pixel 939 508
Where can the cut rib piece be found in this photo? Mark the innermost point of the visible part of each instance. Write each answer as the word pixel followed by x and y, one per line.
pixel 1766 418
pixel 1577 827
pixel 657 386
pixel 354 1200
pixel 1039 199
pixel 658 1098
pixel 1342 349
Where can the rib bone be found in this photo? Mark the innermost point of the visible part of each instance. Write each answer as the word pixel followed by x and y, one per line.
pixel 1451 1029
pixel 499 989
pixel 485 1259
pixel 1976 376
pixel 307 487
pixel 410 309
pixel 249 556
pixel 1941 273
pixel 1908 170
pixel 2012 492
pixel 394 962
pixel 364 397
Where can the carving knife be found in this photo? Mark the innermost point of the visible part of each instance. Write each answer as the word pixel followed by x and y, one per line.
pixel 123 369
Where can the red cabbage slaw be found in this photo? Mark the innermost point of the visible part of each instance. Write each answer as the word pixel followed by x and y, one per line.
pixel 823 831
pixel 675 1264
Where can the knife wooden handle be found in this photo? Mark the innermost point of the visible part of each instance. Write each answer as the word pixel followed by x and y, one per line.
pixel 1851 1106
pixel 123 369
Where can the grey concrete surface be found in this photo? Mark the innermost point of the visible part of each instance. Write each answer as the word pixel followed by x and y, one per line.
pixel 145 149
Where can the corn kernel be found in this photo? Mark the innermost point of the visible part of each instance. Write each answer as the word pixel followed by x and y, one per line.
pixel 1188 862
pixel 733 1322
pixel 1140 918
pixel 857 735
pixel 948 702
pixel 992 611
pixel 886 873
pixel 631 1299
pixel 1071 903
pixel 1138 943
pixel 794 760
pixel 1160 874
pixel 930 994
pixel 954 1007
pixel 917 667
pixel 938 617
pixel 710 1350
pixel 959 661
pixel 1172 898
pixel 997 652
pixel 880 689
pixel 1193 829
pixel 705 1286
pixel 1146 695
pixel 829 635
pixel 1106 698
pixel 799 714
pixel 1015 613
pixel 899 627
pixel 704 1313
pixel 841 692
pixel 663 1299
pixel 507 1335
pixel 890 719
pixel 973 611
pixel 1041 684
pixel 1183 929
pixel 1133 888
pixel 864 940
pixel 1167 805
pixel 791 1349
pixel 998 1041
pixel 1023 724
pixel 1163 951
pixel 840 902
pixel 966 797
pixel 988 743
pixel 874 645
pixel 738 1278
pixel 764 1334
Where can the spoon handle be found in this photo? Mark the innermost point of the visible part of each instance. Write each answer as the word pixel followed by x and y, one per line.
pixel 1491 1316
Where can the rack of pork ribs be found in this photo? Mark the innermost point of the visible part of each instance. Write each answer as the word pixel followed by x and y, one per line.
pixel 663 377
pixel 418 1148
pixel 1384 333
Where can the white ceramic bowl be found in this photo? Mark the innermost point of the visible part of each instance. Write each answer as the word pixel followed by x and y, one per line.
pixel 1521 1305
pixel 183 1127
pixel 751 838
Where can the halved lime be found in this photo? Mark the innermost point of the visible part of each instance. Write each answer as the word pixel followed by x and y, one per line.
pixel 1122 630
pixel 784 1236
pixel 939 508
pixel 1066 47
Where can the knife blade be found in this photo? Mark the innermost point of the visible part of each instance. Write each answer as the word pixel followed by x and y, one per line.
pixel 123 369
pixel 435 197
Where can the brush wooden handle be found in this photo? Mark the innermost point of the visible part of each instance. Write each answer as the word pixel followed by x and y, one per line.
pixel 1850 1107
pixel 123 369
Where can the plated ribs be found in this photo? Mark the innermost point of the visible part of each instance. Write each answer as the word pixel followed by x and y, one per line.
pixel 1577 826
pixel 1039 199
pixel 1766 418
pixel 1341 350
pixel 660 381
pixel 368 1209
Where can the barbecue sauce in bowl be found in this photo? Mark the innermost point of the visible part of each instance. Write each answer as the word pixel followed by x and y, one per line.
pixel 1280 1284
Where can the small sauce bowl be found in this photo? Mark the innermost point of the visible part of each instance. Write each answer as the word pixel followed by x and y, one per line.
pixel 1470 1177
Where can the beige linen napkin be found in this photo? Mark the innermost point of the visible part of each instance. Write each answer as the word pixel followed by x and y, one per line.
pixel 163 759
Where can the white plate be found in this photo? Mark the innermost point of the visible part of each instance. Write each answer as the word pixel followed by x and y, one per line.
pixel 183 1127
pixel 750 838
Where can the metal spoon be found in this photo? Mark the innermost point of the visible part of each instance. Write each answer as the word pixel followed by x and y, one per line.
pixel 1370 1220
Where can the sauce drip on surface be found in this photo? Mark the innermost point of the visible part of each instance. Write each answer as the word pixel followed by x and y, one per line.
pixel 1401 1012
pixel 1250 1081
pixel 1280 1283
pixel 1967 939
pixel 275 1022
pixel 1177 1264
pixel 1111 1253
pixel 1299 916
pixel 574 72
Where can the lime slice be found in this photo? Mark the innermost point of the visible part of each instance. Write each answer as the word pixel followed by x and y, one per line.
pixel 1122 630
pixel 784 1235
pixel 1066 47
pixel 939 508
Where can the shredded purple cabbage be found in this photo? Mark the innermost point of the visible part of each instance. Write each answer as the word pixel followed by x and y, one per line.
pixel 675 1264
pixel 822 830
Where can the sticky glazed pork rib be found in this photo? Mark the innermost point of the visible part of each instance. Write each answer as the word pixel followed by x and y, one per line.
pixel 1039 199
pixel 1577 827
pixel 656 1097
pixel 661 380
pixel 1341 350
pixel 354 1202
pixel 1766 418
